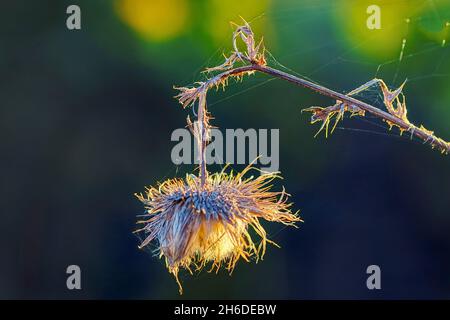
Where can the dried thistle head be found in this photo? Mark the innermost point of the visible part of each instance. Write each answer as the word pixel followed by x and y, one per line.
pixel 206 219
pixel 196 225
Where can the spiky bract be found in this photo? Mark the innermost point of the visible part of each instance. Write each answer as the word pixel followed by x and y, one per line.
pixel 195 225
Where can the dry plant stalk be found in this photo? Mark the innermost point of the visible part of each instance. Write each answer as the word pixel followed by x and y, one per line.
pixel 252 60
pixel 205 219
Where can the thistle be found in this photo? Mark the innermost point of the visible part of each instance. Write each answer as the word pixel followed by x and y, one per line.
pixel 197 224
pixel 207 218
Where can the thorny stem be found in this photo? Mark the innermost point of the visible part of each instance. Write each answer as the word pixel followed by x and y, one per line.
pixel 254 61
pixel 419 132
pixel 202 138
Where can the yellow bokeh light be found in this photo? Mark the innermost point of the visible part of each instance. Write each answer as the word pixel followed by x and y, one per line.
pixel 385 42
pixel 155 20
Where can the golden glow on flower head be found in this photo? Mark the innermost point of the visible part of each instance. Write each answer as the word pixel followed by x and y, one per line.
pixel 195 225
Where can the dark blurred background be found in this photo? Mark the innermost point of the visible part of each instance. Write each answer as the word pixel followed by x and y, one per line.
pixel 86 118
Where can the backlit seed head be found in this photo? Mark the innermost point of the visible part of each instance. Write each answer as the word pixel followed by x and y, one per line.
pixel 194 226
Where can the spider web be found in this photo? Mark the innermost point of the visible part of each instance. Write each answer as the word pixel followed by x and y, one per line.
pixel 434 55
pixel 394 70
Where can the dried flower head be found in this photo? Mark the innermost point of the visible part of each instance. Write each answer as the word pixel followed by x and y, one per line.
pixel 195 225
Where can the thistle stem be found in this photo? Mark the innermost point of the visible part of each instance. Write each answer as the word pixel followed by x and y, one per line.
pixel 416 131
pixel 202 138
